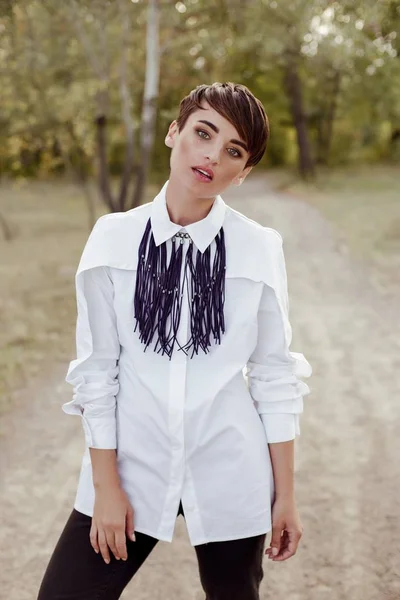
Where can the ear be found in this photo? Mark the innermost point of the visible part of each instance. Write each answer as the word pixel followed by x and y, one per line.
pixel 242 176
pixel 169 138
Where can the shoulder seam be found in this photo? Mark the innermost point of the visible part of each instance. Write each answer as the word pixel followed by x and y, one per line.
pixel 244 217
pixel 252 221
pixel 275 231
pixel 121 214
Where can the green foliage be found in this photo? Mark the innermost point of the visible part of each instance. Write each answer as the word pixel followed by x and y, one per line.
pixel 57 59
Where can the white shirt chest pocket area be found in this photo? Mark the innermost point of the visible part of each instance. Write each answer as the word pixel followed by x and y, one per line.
pixel 242 300
pixel 242 296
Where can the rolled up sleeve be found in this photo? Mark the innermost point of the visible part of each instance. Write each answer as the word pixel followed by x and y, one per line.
pixel 273 371
pixel 94 372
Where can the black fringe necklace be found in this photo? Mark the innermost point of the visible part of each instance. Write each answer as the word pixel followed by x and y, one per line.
pixel 159 292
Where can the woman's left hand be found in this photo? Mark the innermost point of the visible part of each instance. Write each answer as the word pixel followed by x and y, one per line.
pixel 286 519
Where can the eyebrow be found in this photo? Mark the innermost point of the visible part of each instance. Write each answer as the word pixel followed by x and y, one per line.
pixel 216 129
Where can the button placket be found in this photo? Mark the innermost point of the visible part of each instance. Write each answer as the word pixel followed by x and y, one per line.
pixel 176 407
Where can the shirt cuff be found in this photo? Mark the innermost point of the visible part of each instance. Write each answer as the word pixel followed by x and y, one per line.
pixel 280 427
pixel 100 432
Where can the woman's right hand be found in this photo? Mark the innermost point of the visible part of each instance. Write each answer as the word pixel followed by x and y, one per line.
pixel 112 521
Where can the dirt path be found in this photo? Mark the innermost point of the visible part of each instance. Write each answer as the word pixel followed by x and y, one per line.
pixel 347 476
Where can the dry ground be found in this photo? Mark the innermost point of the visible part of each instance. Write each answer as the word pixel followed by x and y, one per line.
pixel 347 474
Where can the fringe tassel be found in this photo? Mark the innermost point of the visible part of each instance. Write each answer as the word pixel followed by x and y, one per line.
pixel 159 293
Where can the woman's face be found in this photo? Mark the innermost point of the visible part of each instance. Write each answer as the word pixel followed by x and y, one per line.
pixel 202 145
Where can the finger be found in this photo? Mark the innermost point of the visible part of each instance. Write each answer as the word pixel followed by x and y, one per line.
pixel 283 555
pixel 272 556
pixel 93 537
pixel 130 526
pixel 289 545
pixel 101 536
pixel 293 541
pixel 276 539
pixel 110 536
pixel 120 544
pixel 283 545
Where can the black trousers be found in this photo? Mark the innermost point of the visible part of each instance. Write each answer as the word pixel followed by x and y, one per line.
pixel 229 570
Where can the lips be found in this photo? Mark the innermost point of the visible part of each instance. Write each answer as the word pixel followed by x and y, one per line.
pixel 206 170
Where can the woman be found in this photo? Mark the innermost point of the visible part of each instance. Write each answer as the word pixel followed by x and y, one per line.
pixel 175 299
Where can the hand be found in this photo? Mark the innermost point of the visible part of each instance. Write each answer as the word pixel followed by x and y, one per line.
pixel 112 519
pixel 285 518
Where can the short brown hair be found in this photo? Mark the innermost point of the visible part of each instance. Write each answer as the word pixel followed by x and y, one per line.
pixel 238 105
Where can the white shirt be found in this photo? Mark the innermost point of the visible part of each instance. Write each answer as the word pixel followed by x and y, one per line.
pixel 191 429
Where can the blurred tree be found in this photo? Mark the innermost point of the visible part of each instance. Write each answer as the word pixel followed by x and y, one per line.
pixel 150 98
pixel 81 90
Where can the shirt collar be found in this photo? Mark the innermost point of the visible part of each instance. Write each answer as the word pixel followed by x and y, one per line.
pixel 202 232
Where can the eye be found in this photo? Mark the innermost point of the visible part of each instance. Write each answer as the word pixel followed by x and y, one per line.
pixel 237 155
pixel 202 131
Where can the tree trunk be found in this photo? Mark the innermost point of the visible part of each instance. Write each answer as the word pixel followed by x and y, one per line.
pixel 126 103
pixel 325 125
pixel 99 63
pixel 332 112
pixel 149 100
pixel 293 88
pixel 103 174
pixel 80 172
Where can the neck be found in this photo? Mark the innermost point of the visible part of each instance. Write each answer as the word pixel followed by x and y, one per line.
pixel 184 208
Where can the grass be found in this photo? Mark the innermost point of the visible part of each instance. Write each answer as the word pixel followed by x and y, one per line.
pixel 37 268
pixel 363 203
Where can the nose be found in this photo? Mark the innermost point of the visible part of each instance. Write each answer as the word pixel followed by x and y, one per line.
pixel 213 155
pixel 212 158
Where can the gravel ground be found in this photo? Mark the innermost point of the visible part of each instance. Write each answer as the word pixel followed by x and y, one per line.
pixel 347 476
